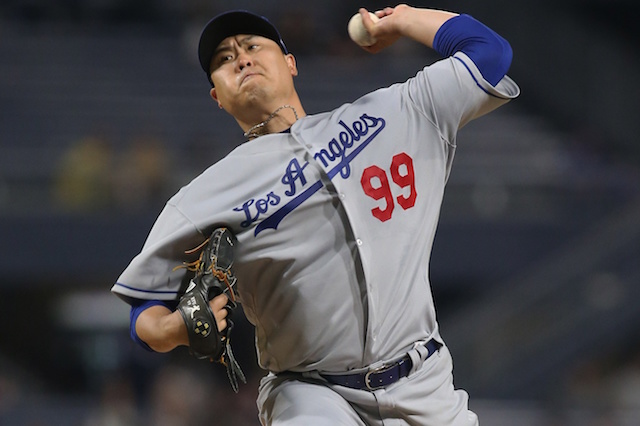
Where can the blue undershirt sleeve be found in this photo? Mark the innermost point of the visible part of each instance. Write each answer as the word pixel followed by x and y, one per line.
pixel 136 309
pixel 490 52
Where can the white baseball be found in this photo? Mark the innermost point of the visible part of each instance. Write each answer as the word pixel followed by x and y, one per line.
pixel 358 32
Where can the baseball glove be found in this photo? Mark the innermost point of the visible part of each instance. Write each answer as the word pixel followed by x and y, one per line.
pixel 213 276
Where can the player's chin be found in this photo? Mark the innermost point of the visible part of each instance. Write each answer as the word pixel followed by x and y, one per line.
pixel 253 94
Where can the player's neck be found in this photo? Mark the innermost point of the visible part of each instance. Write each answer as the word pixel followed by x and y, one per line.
pixel 278 120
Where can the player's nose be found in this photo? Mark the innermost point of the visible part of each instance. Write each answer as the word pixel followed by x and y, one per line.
pixel 243 60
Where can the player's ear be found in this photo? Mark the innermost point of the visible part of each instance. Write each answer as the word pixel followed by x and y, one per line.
pixel 214 96
pixel 291 63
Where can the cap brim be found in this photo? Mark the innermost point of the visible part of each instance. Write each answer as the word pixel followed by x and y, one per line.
pixel 229 24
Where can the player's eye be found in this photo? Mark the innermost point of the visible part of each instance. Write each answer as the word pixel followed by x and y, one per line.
pixel 224 58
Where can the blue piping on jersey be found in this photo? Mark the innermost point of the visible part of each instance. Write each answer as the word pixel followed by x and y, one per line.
pixel 477 82
pixel 147 291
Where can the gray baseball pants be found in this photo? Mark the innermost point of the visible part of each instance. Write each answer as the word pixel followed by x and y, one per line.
pixel 426 397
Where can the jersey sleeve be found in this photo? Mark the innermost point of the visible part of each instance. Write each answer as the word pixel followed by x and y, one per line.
pixel 490 52
pixel 212 199
pixel 152 274
pixel 452 92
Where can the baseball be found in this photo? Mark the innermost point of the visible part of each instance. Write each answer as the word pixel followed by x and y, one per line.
pixel 358 32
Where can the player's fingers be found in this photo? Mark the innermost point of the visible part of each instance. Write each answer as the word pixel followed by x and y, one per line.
pixel 222 324
pixel 218 302
pixel 217 305
pixel 378 25
pixel 366 19
pixel 384 30
pixel 384 12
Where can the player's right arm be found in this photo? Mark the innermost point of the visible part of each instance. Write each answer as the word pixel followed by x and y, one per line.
pixel 445 32
pixel 158 327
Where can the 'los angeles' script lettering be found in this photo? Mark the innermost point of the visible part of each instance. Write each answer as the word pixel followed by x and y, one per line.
pixel 293 173
pixel 338 147
pixel 254 208
pixel 336 156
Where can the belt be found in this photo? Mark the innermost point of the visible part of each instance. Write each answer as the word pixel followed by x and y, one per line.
pixel 380 377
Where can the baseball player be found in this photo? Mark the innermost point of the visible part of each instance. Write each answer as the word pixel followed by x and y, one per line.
pixel 334 216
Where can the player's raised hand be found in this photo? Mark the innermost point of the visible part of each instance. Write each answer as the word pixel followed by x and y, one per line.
pixel 418 24
pixel 384 30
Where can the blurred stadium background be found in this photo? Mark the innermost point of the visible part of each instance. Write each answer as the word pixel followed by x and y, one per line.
pixel 104 113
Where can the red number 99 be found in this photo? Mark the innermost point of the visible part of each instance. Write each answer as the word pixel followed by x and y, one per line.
pixel 375 184
pixel 375 173
pixel 404 180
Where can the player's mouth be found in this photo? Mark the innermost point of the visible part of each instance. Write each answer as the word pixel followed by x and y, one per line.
pixel 247 77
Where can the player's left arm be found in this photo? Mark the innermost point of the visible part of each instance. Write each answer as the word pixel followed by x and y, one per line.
pixel 446 33
pixel 157 326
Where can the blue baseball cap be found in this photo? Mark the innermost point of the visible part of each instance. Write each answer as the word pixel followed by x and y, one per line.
pixel 231 23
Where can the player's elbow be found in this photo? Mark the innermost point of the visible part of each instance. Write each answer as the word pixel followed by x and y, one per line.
pixel 494 61
pixel 503 58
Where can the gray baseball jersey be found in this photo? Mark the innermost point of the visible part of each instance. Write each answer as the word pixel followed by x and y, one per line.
pixel 335 222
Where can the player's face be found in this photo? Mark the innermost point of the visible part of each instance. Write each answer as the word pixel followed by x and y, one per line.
pixel 250 70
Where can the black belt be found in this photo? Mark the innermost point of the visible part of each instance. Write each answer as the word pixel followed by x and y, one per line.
pixel 380 377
